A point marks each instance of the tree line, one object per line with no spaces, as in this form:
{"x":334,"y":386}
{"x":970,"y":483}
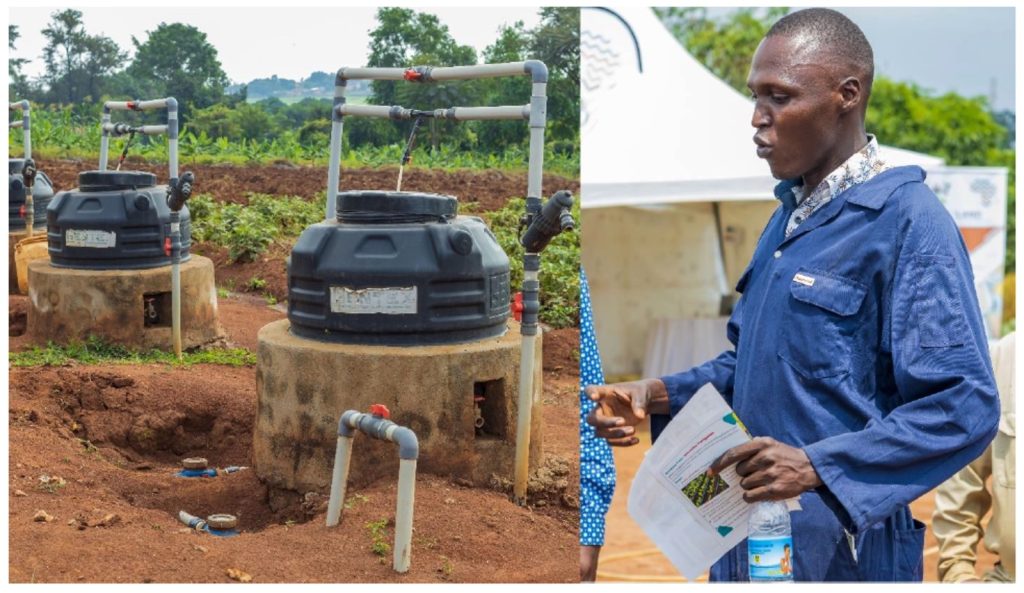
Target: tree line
{"x":175,"y":59}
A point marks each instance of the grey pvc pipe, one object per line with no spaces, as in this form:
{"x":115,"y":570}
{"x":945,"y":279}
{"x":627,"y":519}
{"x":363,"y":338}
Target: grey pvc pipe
{"x":533,"y":68}
{"x":25,"y":124}
{"x":108,"y":128}
{"x":504,"y":112}
{"x":408,"y":452}
{"x":445,"y":73}
{"x":121,"y":129}
{"x":524,"y":418}
{"x":176,"y":282}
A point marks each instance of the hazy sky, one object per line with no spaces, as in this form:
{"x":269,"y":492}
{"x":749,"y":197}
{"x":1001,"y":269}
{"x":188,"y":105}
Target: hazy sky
{"x":258,"y":42}
{"x":965,"y":50}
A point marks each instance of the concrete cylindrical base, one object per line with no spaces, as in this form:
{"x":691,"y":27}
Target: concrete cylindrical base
{"x":67,"y":305}
{"x":303,"y":386}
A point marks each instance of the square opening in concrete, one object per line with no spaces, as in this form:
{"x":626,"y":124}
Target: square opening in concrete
{"x":156,"y":309}
{"x":490,"y":407}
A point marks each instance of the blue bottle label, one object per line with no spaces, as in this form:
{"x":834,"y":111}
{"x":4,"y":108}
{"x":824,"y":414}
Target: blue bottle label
{"x":771,"y":558}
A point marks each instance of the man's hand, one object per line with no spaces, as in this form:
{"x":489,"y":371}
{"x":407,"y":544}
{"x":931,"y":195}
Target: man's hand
{"x":588,"y":563}
{"x":770,"y":470}
{"x":621,"y":406}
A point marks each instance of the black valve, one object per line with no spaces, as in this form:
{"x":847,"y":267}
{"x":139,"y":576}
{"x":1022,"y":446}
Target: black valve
{"x":28,"y":173}
{"x":179,"y":190}
{"x":554,"y":217}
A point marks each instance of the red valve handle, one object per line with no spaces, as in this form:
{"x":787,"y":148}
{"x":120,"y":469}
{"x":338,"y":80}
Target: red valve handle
{"x":412,"y":75}
{"x":517,"y":306}
{"x":380,"y":411}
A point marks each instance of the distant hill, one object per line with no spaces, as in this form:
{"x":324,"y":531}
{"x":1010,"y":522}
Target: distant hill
{"x":318,"y":85}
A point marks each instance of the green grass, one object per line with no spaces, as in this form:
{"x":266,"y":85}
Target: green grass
{"x":96,"y":351}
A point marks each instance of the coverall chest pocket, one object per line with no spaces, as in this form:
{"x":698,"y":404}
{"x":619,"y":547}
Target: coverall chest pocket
{"x":820,"y":323}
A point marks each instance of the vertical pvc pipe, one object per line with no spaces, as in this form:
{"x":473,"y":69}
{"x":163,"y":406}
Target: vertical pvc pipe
{"x":525,"y":415}
{"x":535,"y":175}
{"x":26,"y":123}
{"x":538,"y":119}
{"x":176,"y":281}
{"x":172,"y":137}
{"x":339,"y":479}
{"x":403,"y":514}
{"x":104,"y":138}
{"x":334,"y":169}
{"x":334,"y":166}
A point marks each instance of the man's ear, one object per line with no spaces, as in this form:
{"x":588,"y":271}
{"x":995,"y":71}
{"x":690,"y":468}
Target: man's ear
{"x":852,"y":93}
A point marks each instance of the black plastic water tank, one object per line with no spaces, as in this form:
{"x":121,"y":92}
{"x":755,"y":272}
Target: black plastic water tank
{"x":42,"y":193}
{"x":113,"y":220}
{"x":398,"y":268}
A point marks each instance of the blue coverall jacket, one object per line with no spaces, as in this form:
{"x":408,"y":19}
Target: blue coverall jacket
{"x":859,"y":339}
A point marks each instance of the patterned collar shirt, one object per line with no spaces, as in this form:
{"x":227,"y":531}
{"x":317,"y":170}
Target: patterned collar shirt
{"x":862,"y":166}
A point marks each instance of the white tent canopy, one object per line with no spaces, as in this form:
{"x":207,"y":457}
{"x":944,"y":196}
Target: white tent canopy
{"x":659,"y":128}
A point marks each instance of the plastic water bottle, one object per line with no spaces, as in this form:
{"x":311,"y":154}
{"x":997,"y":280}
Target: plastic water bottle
{"x":770,"y":542}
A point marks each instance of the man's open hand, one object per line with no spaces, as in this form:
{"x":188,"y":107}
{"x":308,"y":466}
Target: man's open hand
{"x":621,"y":406}
{"x":770,"y":470}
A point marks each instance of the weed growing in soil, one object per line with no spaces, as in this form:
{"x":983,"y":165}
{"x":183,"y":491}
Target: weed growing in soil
{"x":356,"y":499}
{"x":446,"y":566}
{"x":378,"y":533}
{"x":96,"y":351}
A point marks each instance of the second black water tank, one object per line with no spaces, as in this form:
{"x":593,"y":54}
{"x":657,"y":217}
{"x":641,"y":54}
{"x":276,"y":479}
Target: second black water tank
{"x":113,"y":220}
{"x":42,"y":193}
{"x":398,"y":268}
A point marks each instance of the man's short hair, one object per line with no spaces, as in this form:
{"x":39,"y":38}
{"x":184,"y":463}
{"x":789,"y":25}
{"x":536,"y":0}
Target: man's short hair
{"x":836,"y":33}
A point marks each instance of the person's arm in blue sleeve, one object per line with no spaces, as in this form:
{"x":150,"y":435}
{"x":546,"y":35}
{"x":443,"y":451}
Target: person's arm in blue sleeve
{"x":947,"y":409}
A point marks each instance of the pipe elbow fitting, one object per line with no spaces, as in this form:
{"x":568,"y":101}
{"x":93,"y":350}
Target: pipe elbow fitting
{"x":346,"y":425}
{"x":172,"y":104}
{"x":537,"y":70}
{"x":408,"y":444}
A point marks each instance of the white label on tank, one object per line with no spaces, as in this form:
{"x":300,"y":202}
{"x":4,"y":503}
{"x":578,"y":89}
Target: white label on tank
{"x":175,"y":227}
{"x":389,"y":301}
{"x":84,"y":238}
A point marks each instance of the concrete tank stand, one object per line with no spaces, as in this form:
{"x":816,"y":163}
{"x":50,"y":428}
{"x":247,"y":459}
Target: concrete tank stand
{"x":67,"y":305}
{"x":304,"y":385}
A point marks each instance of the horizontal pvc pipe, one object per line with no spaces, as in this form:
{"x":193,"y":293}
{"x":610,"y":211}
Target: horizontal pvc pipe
{"x":16,"y":124}
{"x":122,"y":129}
{"x":366,"y":110}
{"x":442,"y":73}
{"x":503,"y":112}
{"x":137,"y":105}
{"x":372,"y":73}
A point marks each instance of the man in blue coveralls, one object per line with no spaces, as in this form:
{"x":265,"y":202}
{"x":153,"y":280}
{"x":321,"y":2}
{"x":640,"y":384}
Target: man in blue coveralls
{"x":860,"y":361}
